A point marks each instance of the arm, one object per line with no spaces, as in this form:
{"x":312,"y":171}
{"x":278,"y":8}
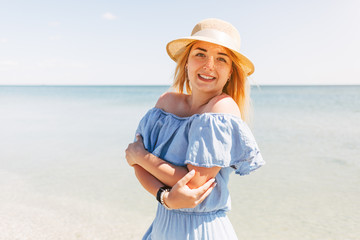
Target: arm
{"x":202,"y":175}
{"x":165,"y":172}
{"x":180,"y":196}
{"x":148,"y":181}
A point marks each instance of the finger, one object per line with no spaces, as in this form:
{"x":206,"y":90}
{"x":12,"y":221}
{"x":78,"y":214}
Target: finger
{"x":207,"y":192}
{"x":205,"y":186}
{"x":184,"y":180}
{"x":139,"y":137}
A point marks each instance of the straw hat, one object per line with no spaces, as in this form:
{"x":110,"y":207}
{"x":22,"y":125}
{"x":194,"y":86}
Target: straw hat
{"x":214,"y":31}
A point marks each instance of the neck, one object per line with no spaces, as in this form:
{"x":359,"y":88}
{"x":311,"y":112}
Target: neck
{"x":198,"y":100}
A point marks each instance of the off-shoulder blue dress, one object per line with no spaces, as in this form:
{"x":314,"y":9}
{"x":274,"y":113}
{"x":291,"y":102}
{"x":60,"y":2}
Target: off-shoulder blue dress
{"x":204,"y":140}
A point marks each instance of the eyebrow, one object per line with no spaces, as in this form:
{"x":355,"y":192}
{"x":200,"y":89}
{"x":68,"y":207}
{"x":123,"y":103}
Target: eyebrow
{"x":220,"y":53}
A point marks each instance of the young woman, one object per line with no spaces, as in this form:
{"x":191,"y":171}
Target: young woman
{"x":200,"y":134}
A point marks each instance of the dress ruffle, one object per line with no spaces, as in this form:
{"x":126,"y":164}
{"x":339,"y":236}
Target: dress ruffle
{"x":211,"y":139}
{"x":222,"y":140}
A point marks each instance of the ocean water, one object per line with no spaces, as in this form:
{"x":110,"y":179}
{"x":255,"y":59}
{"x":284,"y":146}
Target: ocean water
{"x":63,"y":174}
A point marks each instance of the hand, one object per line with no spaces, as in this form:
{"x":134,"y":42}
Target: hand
{"x":135,"y":150}
{"x":181,"y":196}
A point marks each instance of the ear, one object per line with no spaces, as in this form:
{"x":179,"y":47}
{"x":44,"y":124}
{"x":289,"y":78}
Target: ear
{"x":231,"y":71}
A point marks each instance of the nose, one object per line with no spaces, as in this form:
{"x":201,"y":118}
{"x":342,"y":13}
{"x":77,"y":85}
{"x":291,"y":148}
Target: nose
{"x":209,"y":64}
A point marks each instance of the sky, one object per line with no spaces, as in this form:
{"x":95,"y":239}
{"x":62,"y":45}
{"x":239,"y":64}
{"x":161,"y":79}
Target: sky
{"x":94,"y":42}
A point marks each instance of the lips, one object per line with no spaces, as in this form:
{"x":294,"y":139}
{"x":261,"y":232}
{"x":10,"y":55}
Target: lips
{"x":206,"y":77}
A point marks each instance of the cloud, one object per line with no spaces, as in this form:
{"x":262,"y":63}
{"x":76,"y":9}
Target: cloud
{"x":60,"y":63}
{"x":3,"y":40}
{"x":45,"y":64}
{"x":109,"y":16}
{"x":55,"y":37}
{"x":8,"y":63}
{"x":54,"y":23}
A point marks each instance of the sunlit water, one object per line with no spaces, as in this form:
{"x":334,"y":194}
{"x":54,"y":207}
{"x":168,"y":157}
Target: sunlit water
{"x":63,"y":174}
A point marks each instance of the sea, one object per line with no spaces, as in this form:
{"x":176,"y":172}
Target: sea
{"x":63,"y":173}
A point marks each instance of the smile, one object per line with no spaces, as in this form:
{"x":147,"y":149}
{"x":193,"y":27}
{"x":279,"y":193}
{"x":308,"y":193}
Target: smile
{"x":204,"y":77}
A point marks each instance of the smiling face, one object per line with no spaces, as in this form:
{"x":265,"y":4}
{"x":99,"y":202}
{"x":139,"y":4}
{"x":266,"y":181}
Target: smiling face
{"x":208,"y":67}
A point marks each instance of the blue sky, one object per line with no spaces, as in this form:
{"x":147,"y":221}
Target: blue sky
{"x":123,"y":42}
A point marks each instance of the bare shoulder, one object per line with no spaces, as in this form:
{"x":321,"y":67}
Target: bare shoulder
{"x":169,"y":101}
{"x":223,"y":104}
{"x":164,"y":99}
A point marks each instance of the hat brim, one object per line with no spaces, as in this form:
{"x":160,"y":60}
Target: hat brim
{"x":174,"y":47}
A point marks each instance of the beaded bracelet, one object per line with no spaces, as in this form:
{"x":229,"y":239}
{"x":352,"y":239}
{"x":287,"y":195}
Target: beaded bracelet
{"x":160,"y":195}
{"x":162,"y":199}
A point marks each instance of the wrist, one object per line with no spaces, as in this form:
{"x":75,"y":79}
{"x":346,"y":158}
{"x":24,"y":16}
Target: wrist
{"x":162,"y":194}
{"x":162,"y":200}
{"x":141,"y":156}
{"x":166,"y":199}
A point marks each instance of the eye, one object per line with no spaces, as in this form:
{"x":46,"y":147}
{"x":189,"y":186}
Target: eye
{"x":200,"y":54}
{"x":222,"y":59}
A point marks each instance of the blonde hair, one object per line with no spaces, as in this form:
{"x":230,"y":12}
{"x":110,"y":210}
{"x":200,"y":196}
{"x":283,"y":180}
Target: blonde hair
{"x":237,"y":88}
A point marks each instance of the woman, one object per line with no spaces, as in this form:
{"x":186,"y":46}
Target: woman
{"x":199,"y":134}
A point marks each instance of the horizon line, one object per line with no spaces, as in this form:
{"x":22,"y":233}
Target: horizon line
{"x":160,"y":85}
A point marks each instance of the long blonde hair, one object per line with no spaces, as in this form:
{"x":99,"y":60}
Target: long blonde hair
{"x":237,"y":88}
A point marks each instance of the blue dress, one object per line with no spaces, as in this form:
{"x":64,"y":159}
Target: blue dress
{"x":204,"y":140}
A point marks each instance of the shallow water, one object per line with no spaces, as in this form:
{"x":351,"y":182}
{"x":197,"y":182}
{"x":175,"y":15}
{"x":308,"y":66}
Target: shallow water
{"x":63,"y":174}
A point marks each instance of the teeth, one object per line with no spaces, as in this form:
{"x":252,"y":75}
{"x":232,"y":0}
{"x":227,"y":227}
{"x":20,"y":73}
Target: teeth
{"x":206,"y":77}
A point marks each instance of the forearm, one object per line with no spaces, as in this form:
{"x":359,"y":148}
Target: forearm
{"x":148,"y":181}
{"x":166,"y":172}
{"x":153,"y":173}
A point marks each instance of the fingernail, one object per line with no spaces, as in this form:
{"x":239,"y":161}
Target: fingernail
{"x":214,"y":185}
{"x":192,"y":172}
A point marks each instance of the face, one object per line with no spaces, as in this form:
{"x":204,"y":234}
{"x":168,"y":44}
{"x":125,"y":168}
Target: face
{"x":209,"y":67}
